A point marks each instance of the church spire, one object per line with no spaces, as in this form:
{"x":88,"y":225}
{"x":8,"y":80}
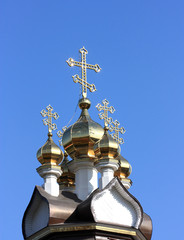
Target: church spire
{"x":78,"y":140}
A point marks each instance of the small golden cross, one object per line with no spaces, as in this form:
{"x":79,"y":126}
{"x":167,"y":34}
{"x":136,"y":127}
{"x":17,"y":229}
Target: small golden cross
{"x":50,"y":115}
{"x":60,"y":134}
{"x":84,"y":66}
{"x":117,"y":130}
{"x":106,"y":109}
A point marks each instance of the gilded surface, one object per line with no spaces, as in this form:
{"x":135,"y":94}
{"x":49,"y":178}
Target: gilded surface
{"x":84,"y":66}
{"x":49,"y":152}
{"x":79,"y":139}
{"x":83,"y":227}
{"x":67,"y":179}
{"x":107,"y":147}
{"x":124,"y":169}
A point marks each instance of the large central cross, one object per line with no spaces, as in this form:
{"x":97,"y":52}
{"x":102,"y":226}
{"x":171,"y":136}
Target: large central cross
{"x":104,"y":114}
{"x":84,"y":66}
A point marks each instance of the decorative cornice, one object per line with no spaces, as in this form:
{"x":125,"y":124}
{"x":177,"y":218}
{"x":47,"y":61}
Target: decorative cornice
{"x":134,"y":233}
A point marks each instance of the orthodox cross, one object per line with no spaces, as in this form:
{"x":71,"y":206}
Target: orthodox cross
{"x":84,"y":66}
{"x":104,"y":114}
{"x":60,"y":134}
{"x":50,"y":115}
{"x":117,"y":130}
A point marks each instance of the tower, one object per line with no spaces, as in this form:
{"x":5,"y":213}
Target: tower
{"x":73,"y":203}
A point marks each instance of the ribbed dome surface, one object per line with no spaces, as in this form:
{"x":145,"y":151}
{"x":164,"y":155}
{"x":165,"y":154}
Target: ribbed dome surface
{"x":79,"y":139}
{"x":124,"y":169}
{"x":50,"y":152}
{"x":107,"y":147}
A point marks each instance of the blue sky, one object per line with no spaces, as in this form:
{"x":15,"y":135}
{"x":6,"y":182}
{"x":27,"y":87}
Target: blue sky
{"x":139,"y":46}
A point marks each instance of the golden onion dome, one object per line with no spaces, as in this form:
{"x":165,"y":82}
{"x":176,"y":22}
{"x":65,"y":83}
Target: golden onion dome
{"x":78,"y":140}
{"x":67,"y":178}
{"x":50,"y":152}
{"x":124,"y":169}
{"x":107,"y":147}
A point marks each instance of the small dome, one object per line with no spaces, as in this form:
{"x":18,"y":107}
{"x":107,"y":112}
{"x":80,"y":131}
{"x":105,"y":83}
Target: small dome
{"x":50,"y":152}
{"x":107,"y":147}
{"x":67,"y":178}
{"x":124,"y":169}
{"x":78,"y":140}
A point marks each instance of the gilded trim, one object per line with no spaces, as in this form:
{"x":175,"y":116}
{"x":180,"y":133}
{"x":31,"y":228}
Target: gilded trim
{"x":83,"y":227}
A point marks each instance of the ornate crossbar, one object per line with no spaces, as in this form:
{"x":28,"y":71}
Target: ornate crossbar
{"x":50,"y":115}
{"x":84,"y":66}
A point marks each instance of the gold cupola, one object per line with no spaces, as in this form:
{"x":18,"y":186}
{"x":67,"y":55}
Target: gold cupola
{"x":106,"y":150}
{"x":67,"y":179}
{"x":124,"y":169}
{"x":50,"y":153}
{"x":107,"y":147}
{"x":79,"y":139}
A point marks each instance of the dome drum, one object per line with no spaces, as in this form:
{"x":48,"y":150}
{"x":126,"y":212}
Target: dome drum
{"x":107,"y":163}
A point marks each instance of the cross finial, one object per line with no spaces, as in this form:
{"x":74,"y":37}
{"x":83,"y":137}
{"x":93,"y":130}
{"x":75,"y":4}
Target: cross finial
{"x":104,"y":114}
{"x":60,"y":134}
{"x":84,"y":66}
{"x":50,"y":115}
{"x":117,"y":130}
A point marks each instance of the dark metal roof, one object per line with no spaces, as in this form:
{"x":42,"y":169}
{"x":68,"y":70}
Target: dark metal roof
{"x":146,"y":226}
{"x":59,"y":208}
{"x":68,"y":209}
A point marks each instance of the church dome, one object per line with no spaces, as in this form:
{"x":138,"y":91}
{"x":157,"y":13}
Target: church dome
{"x":78,"y":140}
{"x":67,"y":178}
{"x":107,"y":147}
{"x":50,"y":152}
{"x":124,"y":169}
